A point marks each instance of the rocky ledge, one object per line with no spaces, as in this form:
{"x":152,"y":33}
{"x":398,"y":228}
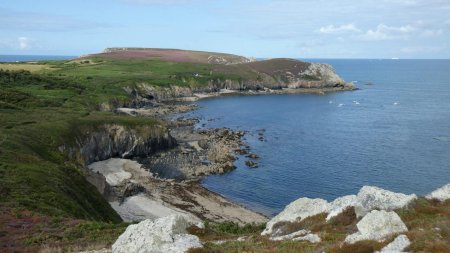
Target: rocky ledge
{"x":380,"y":222}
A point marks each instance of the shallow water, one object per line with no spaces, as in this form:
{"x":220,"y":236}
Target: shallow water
{"x":394,"y":134}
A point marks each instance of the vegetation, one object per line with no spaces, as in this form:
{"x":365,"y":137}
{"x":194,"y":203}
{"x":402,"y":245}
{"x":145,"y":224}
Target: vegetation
{"x":428,"y":223}
{"x":45,"y":200}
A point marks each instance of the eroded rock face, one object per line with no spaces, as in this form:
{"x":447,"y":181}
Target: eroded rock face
{"x":164,"y":235}
{"x":340,"y":204}
{"x":296,"y":211}
{"x":371,"y":197}
{"x":397,"y":246}
{"x":377,"y":225}
{"x":118,"y":141}
{"x":441,"y":194}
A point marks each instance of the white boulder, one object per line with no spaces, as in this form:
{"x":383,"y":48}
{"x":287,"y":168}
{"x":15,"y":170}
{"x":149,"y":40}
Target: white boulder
{"x":340,"y":204}
{"x":441,"y":194}
{"x":291,"y":236}
{"x":312,"y":238}
{"x":297,"y":211}
{"x":164,"y":235}
{"x":397,"y":246}
{"x":377,"y":225}
{"x":371,"y":197}
{"x":301,"y":235}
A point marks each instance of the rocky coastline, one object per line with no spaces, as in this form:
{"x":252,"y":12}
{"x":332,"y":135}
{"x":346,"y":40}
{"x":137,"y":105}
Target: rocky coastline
{"x":165,"y":167}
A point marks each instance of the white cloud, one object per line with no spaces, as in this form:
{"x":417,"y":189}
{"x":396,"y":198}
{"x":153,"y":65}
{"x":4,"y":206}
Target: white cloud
{"x":24,"y":43}
{"x":332,"y":29}
{"x":29,"y":21}
{"x":384,"y":32}
{"x":431,"y":33}
{"x":423,"y":49}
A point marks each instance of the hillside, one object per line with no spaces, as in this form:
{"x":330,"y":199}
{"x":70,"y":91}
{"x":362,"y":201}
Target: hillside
{"x":59,"y":116}
{"x":173,"y":55}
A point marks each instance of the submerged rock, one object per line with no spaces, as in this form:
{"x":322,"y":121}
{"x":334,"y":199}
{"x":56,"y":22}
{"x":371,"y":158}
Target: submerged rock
{"x":164,"y":235}
{"x":441,"y":194}
{"x":297,"y":211}
{"x":397,"y":246}
{"x":371,"y":197}
{"x":377,"y":225}
{"x":251,"y":164}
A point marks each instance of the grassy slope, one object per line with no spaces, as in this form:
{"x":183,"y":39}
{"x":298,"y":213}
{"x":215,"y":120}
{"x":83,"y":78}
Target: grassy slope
{"x":38,"y":114}
{"x":44,"y":109}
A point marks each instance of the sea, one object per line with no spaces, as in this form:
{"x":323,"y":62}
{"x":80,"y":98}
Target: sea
{"x":393,"y":132}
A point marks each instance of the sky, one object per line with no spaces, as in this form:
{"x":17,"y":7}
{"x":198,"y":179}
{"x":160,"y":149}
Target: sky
{"x":253,"y":28}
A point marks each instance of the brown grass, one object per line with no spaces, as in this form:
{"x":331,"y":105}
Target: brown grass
{"x":358,"y":247}
{"x":428,"y":222}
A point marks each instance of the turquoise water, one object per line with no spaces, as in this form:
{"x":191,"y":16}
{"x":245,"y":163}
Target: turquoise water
{"x":394,"y":134}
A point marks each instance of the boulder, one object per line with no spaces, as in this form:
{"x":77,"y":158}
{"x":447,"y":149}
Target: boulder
{"x":377,"y":225}
{"x":297,"y":211}
{"x":397,"y":246}
{"x":371,"y":197}
{"x":290,"y":236}
{"x":164,"y":235}
{"x":441,"y":194}
{"x":312,"y":238}
{"x":340,"y":204}
{"x":301,"y":235}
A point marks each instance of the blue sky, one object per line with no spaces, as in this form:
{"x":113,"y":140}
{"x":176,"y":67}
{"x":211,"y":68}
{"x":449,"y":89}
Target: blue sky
{"x":259,"y":28}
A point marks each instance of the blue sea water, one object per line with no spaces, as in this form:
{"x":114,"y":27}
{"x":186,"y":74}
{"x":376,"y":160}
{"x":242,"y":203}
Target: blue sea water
{"x":20,"y":58}
{"x":394,"y":134}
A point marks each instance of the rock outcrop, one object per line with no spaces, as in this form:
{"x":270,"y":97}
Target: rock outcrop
{"x":368,"y":199}
{"x":371,"y":197}
{"x":377,"y":225}
{"x":340,"y":204}
{"x":441,"y":194}
{"x":397,"y":246}
{"x":112,"y":140}
{"x":164,"y":235}
{"x":297,"y":211}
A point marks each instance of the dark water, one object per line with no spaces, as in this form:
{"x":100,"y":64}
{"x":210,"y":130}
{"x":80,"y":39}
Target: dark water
{"x":19,"y":58}
{"x":394,"y":134}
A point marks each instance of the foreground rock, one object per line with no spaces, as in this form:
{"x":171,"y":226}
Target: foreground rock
{"x":377,"y":225}
{"x":164,"y":235}
{"x":371,"y":197}
{"x":340,"y":204}
{"x":397,"y":246}
{"x":441,"y":194}
{"x":296,"y":211}
{"x":301,"y":235}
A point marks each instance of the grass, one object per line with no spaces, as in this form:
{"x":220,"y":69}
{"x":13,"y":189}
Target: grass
{"x":428,"y":223}
{"x":32,"y":67}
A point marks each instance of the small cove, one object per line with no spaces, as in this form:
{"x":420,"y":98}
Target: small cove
{"x":392,"y":133}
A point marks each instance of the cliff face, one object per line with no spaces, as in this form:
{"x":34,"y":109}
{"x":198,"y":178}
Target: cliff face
{"x":113,"y":140}
{"x":272,"y":74}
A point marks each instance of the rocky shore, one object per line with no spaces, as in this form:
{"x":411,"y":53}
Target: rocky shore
{"x":162,"y":181}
